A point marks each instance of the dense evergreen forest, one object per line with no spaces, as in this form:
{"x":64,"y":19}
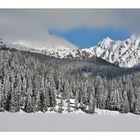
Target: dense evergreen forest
{"x":34,"y":82}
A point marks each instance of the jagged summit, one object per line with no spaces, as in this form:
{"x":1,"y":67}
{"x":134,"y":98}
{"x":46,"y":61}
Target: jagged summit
{"x":125,"y":53}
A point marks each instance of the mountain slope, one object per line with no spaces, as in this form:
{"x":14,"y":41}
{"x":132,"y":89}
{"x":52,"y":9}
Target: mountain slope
{"x":53,"y":46}
{"x":123,"y":53}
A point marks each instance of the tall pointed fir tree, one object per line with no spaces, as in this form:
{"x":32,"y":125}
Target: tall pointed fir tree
{"x":2,"y":98}
{"x":91,"y":106}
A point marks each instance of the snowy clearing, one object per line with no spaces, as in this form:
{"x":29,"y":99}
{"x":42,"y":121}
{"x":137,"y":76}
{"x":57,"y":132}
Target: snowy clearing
{"x":102,"y":120}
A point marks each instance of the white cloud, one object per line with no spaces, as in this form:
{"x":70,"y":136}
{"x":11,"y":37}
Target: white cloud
{"x":34,"y":24}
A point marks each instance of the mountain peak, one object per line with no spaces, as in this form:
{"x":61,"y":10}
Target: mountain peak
{"x":125,"y":53}
{"x":106,"y":41}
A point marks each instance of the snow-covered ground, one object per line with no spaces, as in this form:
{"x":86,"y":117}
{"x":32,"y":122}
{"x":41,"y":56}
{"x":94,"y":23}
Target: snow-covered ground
{"x":102,"y":120}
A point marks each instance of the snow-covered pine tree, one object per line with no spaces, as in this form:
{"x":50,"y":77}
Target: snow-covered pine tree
{"x":91,"y":106}
{"x":125,"y":103}
{"x":2,"y":98}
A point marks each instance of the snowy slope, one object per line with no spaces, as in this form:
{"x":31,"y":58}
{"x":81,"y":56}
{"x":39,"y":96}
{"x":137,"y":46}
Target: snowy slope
{"x":54,"y":46}
{"x":124,"y":53}
{"x":69,"y":122}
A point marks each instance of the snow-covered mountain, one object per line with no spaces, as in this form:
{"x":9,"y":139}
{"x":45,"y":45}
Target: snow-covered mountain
{"x":59,"y":51}
{"x":54,"y":46}
{"x":124,"y":53}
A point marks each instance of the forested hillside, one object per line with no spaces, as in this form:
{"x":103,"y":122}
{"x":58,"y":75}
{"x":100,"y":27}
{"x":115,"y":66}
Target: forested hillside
{"x":34,"y":82}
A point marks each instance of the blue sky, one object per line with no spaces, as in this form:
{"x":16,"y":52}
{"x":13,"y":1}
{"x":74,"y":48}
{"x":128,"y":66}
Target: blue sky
{"x":87,"y":37}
